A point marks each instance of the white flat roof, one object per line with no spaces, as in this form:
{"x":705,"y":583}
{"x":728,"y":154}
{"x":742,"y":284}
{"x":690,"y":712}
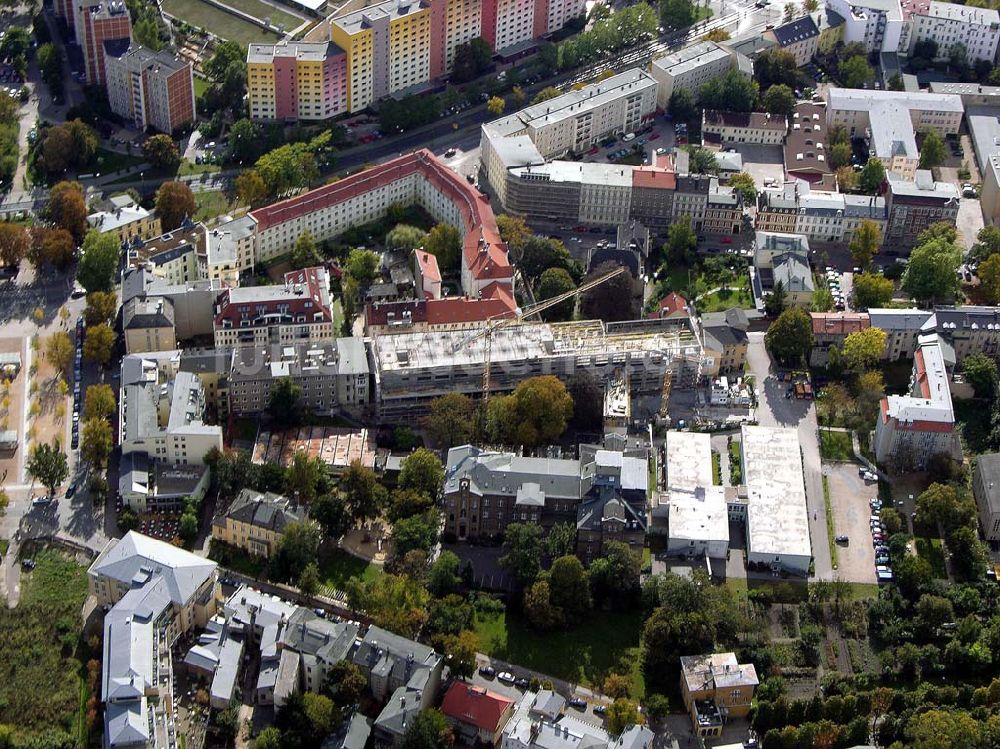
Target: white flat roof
{"x":690,"y":58}
{"x":689,"y":460}
{"x":963,"y":13}
{"x":587,"y":173}
{"x":864,"y":99}
{"x":777,"y":516}
{"x":699,"y":515}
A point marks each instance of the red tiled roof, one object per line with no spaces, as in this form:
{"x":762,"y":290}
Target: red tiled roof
{"x":659,"y":176}
{"x":673,"y":302}
{"x":839,"y":323}
{"x":428,"y":265}
{"x":255,"y":302}
{"x":484,"y":252}
{"x":497,"y":302}
{"x":475,"y":706}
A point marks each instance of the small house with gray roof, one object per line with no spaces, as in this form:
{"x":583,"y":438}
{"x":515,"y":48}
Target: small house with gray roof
{"x":391,"y":662}
{"x":256,"y":521}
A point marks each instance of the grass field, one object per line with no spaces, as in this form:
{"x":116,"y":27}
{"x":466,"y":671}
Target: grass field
{"x":930,"y":549}
{"x":260,"y":10}
{"x":225,"y":25}
{"x":107,"y":162}
{"x":835,"y":445}
{"x":583,"y":654}
{"x":831,"y":530}
{"x":723,"y":299}
{"x":336,"y":567}
{"x":211,"y":204}
{"x":42,"y":694}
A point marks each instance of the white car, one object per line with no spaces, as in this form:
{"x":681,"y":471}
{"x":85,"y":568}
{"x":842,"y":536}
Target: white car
{"x":506,"y":677}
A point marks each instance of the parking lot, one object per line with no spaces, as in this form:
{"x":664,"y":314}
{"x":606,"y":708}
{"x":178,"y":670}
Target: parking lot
{"x":849,"y":495}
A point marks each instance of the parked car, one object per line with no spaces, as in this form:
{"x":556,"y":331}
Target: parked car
{"x":578,"y":703}
{"x":487,"y":671}
{"x":28,"y":564}
{"x":843,"y":540}
{"x":522,"y":683}
{"x":600,"y":709}
{"x":506,"y":677}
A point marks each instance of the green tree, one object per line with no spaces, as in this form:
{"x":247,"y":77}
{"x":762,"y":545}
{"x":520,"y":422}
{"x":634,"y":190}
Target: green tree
{"x":449,"y":420}
{"x":364,"y":494}
{"x":943,"y":729}
{"x":932,"y":151}
{"x":989,"y":278}
{"x":59,"y":350}
{"x":496,"y":105}
{"x":561,"y":540}
{"x":287,"y":167}
{"x":789,"y":13}
{"x":622,"y":713}
{"x":872,"y":290}
{"x":980,"y":371}
{"x":987,"y":243}
{"x":872,"y":176}
{"x":539,"y":609}
{"x":865,"y":243}
{"x":346,"y":684}
{"x":968,"y":555}
{"x":702,"y":161}
{"x":99,"y":402}
{"x":549,"y":92}
{"x":305,"y":253}
{"x":422,"y":472}
{"x":541,"y":253}
{"x":743,"y":184}
{"x":522,"y":547}
{"x":838,"y":155}
{"x":471,"y":59}
{"x":405,"y":237}
{"x":362,"y":265}
{"x":99,"y":261}
{"x":174,"y":203}
{"x":227,"y":71}
{"x":775,"y":300}
{"x":864,"y":348}
{"x":394,"y":602}
{"x":514,"y":232}
{"x":535,"y":414}
{"x":731,"y":92}
{"x":284,"y":403}
{"x":682,"y":105}
{"x":779,"y":99}
{"x":556,"y":281}
{"x":855,"y":71}
{"x":98,"y":344}
{"x":47,"y":464}
{"x":932,"y":274}
{"x":429,"y":730}
{"x":682,"y":242}
{"x":676,"y":14}
{"x":776,"y":67}
{"x":161,"y":151}
{"x":614,"y":576}
{"x":789,"y":338}
{"x":245,"y":141}
{"x":298,"y":547}
{"x":613,"y":300}
{"x":332,"y":514}
{"x":569,"y":587}
{"x":461,"y":652}
{"x":308,"y":581}
{"x":445,"y":243}
{"x":941,"y":504}
{"x":102,"y":306}
{"x":304,"y":475}
{"x":443,"y":578}
{"x":187,"y":528}
{"x":250,"y":187}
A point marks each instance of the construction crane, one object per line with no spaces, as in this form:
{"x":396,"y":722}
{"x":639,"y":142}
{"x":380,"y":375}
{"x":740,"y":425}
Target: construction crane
{"x":498,"y":322}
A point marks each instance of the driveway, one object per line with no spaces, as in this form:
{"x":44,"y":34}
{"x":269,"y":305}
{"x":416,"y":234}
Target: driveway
{"x":849,"y":496}
{"x":775,"y":409}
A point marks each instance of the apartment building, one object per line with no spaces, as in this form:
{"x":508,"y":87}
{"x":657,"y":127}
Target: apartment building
{"x":914,"y":206}
{"x":334,"y":376}
{"x":984,"y":127}
{"x":147,"y":486}
{"x":161,"y":411}
{"x":417,"y":177}
{"x":830,"y":329}
{"x":694,"y":510}
{"x":150,"y":89}
{"x":976,"y":29}
{"x":782,"y":258}
{"x":902,"y":327}
{"x":878,"y":24}
{"x":477,"y":714}
{"x":858,"y":109}
{"x":725,"y":336}
{"x":986,"y":488}
{"x":453,"y":22}
{"x":723,"y":211}
{"x":805,"y":146}
{"x":192,"y":303}
{"x":800,"y":37}
{"x":297,"y":311}
{"x":577,"y":119}
{"x":125,"y":220}
{"x":296,"y":81}
{"x":156,"y":592}
{"x":909,"y":429}
{"x":256,"y":521}
{"x":103,"y":29}
{"x":174,"y":257}
{"x":818,"y":215}
{"x":411,"y":369}
{"x":755,"y":128}
{"x":716,"y":688}
{"x":538,"y":723}
{"x":447,"y":313}
{"x":691,"y":196}
{"x":387,"y":49}
{"x":148,"y":324}
{"x":693,"y":66}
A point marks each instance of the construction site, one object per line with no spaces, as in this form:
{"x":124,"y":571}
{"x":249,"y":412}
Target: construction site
{"x":411,"y":369}
{"x":337,"y":447}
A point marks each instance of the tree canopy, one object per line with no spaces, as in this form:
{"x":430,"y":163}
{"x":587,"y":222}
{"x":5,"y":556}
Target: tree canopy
{"x":613,"y":300}
{"x":536,"y":413}
{"x":98,"y":262}
{"x":865,"y":243}
{"x":864,"y":348}
{"x":789,"y":338}
{"x":932,"y":274}
{"x":47,"y":464}
{"x":871,"y":290}
{"x":174,"y":203}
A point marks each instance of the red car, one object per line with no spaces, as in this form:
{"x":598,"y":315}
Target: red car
{"x":727,"y":240}
{"x":654,"y":136}
{"x":593,"y":150}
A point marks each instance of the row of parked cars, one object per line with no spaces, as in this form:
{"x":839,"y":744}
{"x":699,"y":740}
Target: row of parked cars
{"x":77,"y":391}
{"x":521,"y":682}
{"x":833,"y":279}
{"x":883,"y":570}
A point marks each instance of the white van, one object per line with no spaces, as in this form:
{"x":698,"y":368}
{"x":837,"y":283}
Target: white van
{"x":627,"y":137}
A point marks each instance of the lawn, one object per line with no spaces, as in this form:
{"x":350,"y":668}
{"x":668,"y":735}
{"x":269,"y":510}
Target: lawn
{"x":212,"y":204}
{"x":200,"y":87}
{"x":930,"y":549}
{"x":189,"y":167}
{"x":42,"y":692}
{"x":735,"y":463}
{"x":236,"y":560}
{"x":584,"y":654}
{"x":973,"y":422}
{"x":111,"y":161}
{"x":831,"y":531}
{"x":223,"y":24}
{"x":835,"y":445}
{"x":737,"y":295}
{"x":716,"y":468}
{"x":336,"y":567}
{"x":260,"y":10}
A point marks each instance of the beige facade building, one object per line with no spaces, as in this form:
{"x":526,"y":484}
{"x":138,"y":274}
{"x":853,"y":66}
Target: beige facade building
{"x":715,"y":689}
{"x":148,"y":323}
{"x":256,"y":522}
{"x":757,"y":128}
{"x":693,"y":66}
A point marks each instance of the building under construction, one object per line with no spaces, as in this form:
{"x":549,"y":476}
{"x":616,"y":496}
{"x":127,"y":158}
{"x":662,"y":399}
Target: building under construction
{"x":412,"y":369}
